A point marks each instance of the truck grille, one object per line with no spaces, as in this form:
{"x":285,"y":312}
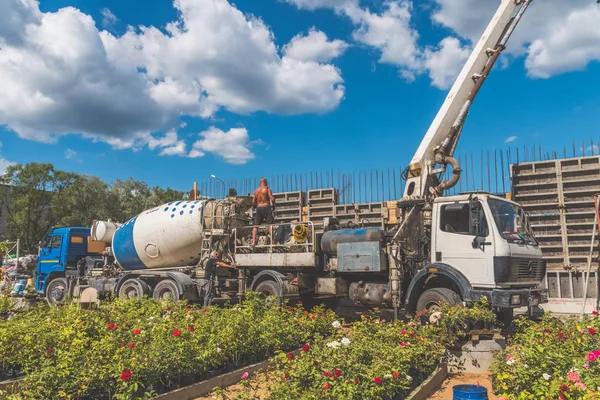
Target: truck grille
{"x":524,"y":270}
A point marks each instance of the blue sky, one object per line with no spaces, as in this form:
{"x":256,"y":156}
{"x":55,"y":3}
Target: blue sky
{"x":354,"y":99}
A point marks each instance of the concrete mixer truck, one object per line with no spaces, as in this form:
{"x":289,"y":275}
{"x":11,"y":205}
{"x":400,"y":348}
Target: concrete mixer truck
{"x":456,"y":249}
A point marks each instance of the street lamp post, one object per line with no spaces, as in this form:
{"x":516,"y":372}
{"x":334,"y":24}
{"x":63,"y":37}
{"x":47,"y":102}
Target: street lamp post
{"x":220,"y":180}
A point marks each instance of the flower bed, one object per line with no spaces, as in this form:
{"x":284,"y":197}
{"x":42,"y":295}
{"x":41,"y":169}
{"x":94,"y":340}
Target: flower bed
{"x":553,"y":359}
{"x":370,"y":359}
{"x":135,"y":349}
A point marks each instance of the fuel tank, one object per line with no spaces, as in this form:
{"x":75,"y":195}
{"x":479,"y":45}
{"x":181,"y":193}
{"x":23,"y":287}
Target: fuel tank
{"x":167,"y":236}
{"x":331,"y":239}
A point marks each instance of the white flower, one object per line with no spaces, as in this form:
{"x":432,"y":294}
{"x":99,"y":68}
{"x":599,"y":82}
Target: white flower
{"x":336,"y":324}
{"x":388,"y":376}
{"x":151,"y":318}
{"x":546,"y":376}
{"x":510,"y":362}
{"x":335,"y":344}
{"x":218,"y":349}
{"x":346,"y":341}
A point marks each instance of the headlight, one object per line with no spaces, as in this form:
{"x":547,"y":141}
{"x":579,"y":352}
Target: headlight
{"x":515,"y":299}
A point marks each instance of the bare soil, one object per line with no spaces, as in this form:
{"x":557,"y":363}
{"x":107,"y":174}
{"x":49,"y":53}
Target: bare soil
{"x":445,"y":392}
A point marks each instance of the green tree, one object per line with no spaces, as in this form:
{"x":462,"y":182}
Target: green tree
{"x":160,"y":196}
{"x":33,"y":197}
{"x":127,"y":199}
{"x":87,"y":200}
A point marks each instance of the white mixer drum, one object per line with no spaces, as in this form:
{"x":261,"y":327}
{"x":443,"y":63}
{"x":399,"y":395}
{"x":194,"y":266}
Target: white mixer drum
{"x":166,"y":236}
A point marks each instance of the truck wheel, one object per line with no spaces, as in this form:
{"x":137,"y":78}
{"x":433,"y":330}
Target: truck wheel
{"x":165,"y":290}
{"x":57,"y":291}
{"x":134,"y":288}
{"x":433,"y":299}
{"x":268,"y":289}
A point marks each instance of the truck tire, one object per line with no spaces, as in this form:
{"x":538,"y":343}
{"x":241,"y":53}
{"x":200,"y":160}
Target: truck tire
{"x":166,"y":289}
{"x":268,"y":289}
{"x":134,"y":288}
{"x":433,"y":298}
{"x":57,"y":291}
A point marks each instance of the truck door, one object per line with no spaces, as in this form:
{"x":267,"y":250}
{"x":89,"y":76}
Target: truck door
{"x":50,"y":255}
{"x":463,"y":241}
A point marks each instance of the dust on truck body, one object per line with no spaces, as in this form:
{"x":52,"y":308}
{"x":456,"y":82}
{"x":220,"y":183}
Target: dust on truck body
{"x":453,"y":249}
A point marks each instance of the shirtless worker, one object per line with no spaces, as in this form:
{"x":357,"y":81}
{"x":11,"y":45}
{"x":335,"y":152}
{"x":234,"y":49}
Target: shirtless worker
{"x":263,"y":204}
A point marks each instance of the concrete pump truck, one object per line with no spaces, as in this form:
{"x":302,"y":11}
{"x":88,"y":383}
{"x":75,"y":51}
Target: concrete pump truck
{"x":456,"y":249}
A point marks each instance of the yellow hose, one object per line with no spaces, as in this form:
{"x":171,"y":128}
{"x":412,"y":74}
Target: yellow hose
{"x":300,"y":233}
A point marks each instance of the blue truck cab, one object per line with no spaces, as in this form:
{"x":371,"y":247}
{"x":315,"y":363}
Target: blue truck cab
{"x":58,"y":257}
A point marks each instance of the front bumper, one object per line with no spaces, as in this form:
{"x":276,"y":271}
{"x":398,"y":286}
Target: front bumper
{"x":507,"y":298}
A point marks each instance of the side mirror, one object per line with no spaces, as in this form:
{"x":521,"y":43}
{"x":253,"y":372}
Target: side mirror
{"x":480,"y":243}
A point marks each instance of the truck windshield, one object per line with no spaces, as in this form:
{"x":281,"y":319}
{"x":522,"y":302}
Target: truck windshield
{"x":511,"y":221}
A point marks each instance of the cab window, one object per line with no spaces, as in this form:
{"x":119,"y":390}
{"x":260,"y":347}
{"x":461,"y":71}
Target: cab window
{"x":54,"y":242}
{"x":456,"y":218}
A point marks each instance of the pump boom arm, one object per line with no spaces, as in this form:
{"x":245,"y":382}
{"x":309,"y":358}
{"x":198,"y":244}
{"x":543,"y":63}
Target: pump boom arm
{"x":439,"y":143}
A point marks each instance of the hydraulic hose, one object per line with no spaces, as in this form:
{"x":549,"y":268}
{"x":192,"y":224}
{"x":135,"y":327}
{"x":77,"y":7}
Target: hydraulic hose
{"x":456,"y":171}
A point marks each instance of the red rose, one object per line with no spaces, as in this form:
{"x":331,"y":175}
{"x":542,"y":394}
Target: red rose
{"x":312,"y":317}
{"x":383,"y":320}
{"x":326,"y":374}
{"x":326,"y":386}
{"x":564,"y":387}
{"x":126,"y":375}
{"x":49,"y":353}
{"x":290,"y":356}
{"x":595,"y":313}
{"x":377,"y":381}
{"x":306,"y":347}
{"x":324,"y":315}
{"x":176,"y":333}
{"x":592,"y":331}
{"x":131,"y":345}
{"x":396,"y":374}
{"x":561,"y":336}
{"x":357,"y":381}
{"x":403,"y":332}
{"x":191,"y":328}
{"x":137,"y":332}
{"x":315,"y":363}
{"x":122,"y":344}
{"x":287,"y":376}
{"x":111,"y":325}
{"x":299,"y":302}
{"x":337,"y":372}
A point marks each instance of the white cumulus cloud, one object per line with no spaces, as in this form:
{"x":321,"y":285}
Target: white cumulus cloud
{"x":445,"y":62}
{"x":510,"y":139}
{"x":555,"y":36}
{"x":314,"y":47}
{"x":59,"y":74}
{"x":70,"y":154}
{"x":108,"y":18}
{"x":315,"y":4}
{"x":4,"y":163}
{"x":232,"y":146}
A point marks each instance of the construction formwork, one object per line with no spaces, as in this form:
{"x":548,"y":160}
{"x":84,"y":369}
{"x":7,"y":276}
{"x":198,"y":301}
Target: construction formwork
{"x":318,"y":204}
{"x":558,"y":196}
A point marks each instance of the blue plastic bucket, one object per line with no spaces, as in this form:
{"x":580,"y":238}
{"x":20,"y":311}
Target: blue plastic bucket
{"x":471,"y":392}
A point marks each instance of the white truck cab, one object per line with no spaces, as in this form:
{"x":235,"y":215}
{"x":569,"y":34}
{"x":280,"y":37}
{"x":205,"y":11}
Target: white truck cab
{"x":489,"y":241}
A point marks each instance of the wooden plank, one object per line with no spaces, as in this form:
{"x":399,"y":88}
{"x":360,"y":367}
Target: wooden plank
{"x":426,"y":389}
{"x":203,"y":388}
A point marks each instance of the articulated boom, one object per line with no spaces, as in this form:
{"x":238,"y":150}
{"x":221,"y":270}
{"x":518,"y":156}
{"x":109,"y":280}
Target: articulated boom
{"x":439,"y":143}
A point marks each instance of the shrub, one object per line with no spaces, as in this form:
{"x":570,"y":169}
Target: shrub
{"x":553,"y":359}
{"x":135,"y":348}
